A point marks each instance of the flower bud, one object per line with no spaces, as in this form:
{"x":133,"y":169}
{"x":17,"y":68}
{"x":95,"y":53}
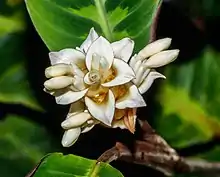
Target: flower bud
{"x":162,"y":58}
{"x":58,"y":82}
{"x":154,"y":47}
{"x":76,"y":120}
{"x":148,"y":81}
{"x":57,"y":70}
{"x":70,"y":137}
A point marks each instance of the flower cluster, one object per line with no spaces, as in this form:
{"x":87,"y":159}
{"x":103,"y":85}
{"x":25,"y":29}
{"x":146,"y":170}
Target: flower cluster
{"x":101,"y":85}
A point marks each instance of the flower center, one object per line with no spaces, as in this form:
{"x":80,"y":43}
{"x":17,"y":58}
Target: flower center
{"x":119,"y":91}
{"x":94,"y":76}
{"x":97,"y":94}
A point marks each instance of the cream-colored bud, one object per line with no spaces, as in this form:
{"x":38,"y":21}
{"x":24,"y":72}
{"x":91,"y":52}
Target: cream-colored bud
{"x":58,"y":82}
{"x":58,"y":70}
{"x":70,"y":137}
{"x":76,"y":120}
{"x":148,"y":81}
{"x":154,"y":47}
{"x":162,"y":58}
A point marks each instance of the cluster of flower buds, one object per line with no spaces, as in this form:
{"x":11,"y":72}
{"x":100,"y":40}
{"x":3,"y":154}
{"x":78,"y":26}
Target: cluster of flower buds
{"x":102,"y":83}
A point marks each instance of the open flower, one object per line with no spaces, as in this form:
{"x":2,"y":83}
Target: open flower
{"x":91,"y":72}
{"x":99,"y":83}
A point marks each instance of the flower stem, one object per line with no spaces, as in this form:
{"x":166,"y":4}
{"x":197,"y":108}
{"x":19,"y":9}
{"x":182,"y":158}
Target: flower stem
{"x":100,"y":5}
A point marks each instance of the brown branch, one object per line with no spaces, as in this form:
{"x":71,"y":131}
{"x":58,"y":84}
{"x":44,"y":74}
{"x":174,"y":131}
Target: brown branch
{"x":154,"y":24}
{"x":153,"y":151}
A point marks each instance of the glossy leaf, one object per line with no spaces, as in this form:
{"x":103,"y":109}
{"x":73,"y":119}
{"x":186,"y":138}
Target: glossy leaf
{"x":57,"y":165}
{"x":22,"y":145}
{"x":190,"y":100}
{"x":66,"y":23}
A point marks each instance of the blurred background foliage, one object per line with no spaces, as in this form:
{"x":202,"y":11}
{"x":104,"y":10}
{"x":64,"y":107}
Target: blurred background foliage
{"x":184,"y":109}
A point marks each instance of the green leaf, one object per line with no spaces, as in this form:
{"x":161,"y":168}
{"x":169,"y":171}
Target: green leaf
{"x":13,"y":23}
{"x":15,"y":88}
{"x":190,"y":100}
{"x":57,"y":165}
{"x":22,"y":145}
{"x":66,"y":23}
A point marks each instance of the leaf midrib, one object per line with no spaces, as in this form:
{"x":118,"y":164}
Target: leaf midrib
{"x":104,"y":24}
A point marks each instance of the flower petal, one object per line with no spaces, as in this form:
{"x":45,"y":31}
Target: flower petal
{"x":58,"y":82}
{"x":141,"y":75}
{"x":65,"y":97}
{"x":87,"y":128}
{"x":119,"y":124}
{"x":77,"y":71}
{"x":162,"y":58}
{"x":124,"y":73}
{"x":76,"y":108}
{"x":137,"y":66}
{"x":76,"y":120}
{"x":147,"y":71}
{"x":138,"y":76}
{"x":132,"y":99}
{"x":133,"y":60}
{"x":67,"y":56}
{"x":102,"y":48}
{"x":148,"y":81}
{"x":89,"y":40}
{"x":130,"y":120}
{"x":104,"y":111}
{"x":70,"y":137}
{"x":123,"y":49}
{"x":58,"y":70}
{"x":154,"y":48}
{"x":95,"y":65}
{"x":79,"y":83}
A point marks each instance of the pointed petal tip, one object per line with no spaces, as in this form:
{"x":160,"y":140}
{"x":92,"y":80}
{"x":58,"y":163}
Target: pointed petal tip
{"x":123,"y":48}
{"x":103,"y":112}
{"x":66,"y":56}
{"x":131,"y":100}
{"x":149,"y":80}
{"x":101,"y":47}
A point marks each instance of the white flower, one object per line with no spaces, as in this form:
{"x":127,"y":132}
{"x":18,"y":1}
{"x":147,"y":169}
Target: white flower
{"x":90,"y":73}
{"x":99,"y":84}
